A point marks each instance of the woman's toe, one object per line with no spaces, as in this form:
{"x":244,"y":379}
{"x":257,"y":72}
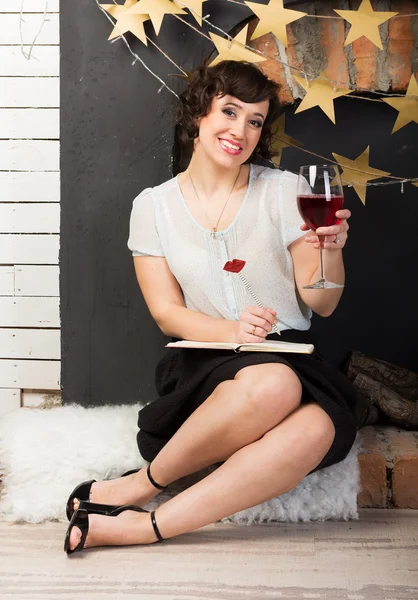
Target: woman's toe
{"x":76,"y":503}
{"x":75,"y":537}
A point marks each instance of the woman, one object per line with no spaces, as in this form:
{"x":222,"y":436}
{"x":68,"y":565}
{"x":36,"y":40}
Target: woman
{"x":268,"y":418}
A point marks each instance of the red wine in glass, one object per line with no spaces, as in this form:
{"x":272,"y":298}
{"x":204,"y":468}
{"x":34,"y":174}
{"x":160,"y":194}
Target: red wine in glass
{"x":318,"y":210}
{"x":319,"y":197}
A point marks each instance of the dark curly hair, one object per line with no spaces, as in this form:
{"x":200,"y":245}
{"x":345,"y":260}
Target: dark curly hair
{"x":229,"y":77}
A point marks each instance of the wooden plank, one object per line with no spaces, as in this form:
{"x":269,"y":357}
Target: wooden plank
{"x":29,"y":123}
{"x":29,"y":249}
{"x":29,"y":155}
{"x":30,"y":92}
{"x":29,"y":6}
{"x":30,"y":218}
{"x":13,"y":30}
{"x":36,"y":281}
{"x":29,"y":187}
{"x":44,"y":62}
{"x":29,"y":312}
{"x":33,"y":374}
{"x":9,"y":400}
{"x":42,"y":399}
{"x":30,"y":343}
{"x":7,"y":281}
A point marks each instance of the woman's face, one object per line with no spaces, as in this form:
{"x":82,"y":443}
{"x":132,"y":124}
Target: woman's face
{"x":231,"y":130}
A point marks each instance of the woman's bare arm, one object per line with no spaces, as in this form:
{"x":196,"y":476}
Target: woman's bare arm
{"x":165,"y":302}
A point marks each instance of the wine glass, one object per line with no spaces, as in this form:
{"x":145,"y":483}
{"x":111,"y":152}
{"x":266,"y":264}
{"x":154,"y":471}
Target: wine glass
{"x":319,"y":197}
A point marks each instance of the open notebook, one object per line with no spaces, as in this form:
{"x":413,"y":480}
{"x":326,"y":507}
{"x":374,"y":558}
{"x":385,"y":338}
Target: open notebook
{"x":267,"y":346}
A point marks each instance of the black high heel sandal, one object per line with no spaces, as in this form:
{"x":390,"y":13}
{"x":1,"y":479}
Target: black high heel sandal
{"x":82,"y":492}
{"x":80,"y":519}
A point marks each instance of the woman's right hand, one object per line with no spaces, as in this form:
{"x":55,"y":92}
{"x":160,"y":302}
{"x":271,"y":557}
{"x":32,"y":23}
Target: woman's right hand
{"x":255,"y":324}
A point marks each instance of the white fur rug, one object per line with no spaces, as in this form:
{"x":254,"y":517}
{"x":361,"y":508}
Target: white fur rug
{"x":44,"y":454}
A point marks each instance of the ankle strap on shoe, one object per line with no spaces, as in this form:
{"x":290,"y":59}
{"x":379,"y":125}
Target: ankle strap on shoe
{"x":156,"y":530}
{"x":152,"y":480}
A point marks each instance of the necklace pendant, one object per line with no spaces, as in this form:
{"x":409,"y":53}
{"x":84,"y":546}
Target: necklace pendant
{"x":214,"y":232}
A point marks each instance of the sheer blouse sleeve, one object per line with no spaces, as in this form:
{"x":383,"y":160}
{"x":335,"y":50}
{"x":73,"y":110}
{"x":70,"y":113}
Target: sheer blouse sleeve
{"x":291,"y":219}
{"x":144,"y":239}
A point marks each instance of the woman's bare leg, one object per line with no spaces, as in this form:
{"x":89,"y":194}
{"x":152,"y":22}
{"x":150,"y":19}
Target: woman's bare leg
{"x":238,"y":412}
{"x":254,"y":474}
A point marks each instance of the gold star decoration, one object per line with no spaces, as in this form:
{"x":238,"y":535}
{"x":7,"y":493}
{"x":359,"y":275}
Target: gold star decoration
{"x":234,"y":50}
{"x":407,"y":106}
{"x":320,"y":93}
{"x":125,"y":22}
{"x":281,"y":140}
{"x":273,"y":19}
{"x":156,"y":9}
{"x":195,"y":6}
{"x":357,"y":178}
{"x":365,"y":21}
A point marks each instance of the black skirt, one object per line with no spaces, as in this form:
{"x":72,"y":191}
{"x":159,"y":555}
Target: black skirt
{"x":186,"y":377}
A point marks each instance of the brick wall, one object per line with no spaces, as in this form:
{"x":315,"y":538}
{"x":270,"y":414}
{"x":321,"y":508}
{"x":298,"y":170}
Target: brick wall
{"x":318,"y":44}
{"x":389,"y":468}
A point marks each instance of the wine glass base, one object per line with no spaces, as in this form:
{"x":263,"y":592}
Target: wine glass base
{"x":323,"y":284}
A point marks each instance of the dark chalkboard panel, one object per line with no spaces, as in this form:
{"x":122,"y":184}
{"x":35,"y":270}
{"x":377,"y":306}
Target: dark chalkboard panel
{"x":117,"y":137}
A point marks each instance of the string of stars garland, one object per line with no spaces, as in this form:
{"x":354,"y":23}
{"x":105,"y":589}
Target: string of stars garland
{"x":135,"y":55}
{"x":375,"y":173}
{"x":306,"y":74}
{"x":199,"y":17}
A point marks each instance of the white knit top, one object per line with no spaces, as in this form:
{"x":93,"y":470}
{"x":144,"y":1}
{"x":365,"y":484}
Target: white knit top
{"x":267,"y":222}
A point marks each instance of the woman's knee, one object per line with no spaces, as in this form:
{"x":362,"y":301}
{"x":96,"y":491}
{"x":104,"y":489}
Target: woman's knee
{"x":305,"y":438}
{"x":312,"y":428}
{"x":271,"y":388}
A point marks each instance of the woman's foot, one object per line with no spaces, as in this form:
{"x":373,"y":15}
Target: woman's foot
{"x":131,"y":489}
{"x":126,"y":529}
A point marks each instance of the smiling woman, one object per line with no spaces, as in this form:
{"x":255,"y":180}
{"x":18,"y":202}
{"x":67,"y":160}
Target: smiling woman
{"x":232,"y":85}
{"x":270,"y":418}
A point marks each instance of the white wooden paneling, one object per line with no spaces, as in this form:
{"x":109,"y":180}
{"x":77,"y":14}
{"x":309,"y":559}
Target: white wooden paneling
{"x":30,"y":398}
{"x":34,"y":374}
{"x":29,"y":155}
{"x":44,"y":61}
{"x":29,"y":187}
{"x":7,"y":281}
{"x":29,"y":218}
{"x":29,"y":249}
{"x":36,"y":281}
{"x":29,"y":92}
{"x":30,"y":343}
{"x":29,"y":123}
{"x":29,"y":202}
{"x":9,"y":400}
{"x":29,"y":312}
{"x":29,"y":6}
{"x":12,"y":28}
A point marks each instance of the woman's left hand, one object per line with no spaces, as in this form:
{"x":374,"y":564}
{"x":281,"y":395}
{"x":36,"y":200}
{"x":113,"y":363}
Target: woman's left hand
{"x":333,"y":237}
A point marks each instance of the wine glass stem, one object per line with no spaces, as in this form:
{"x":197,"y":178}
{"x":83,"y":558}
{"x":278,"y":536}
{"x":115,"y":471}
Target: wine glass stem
{"x":321,"y":258}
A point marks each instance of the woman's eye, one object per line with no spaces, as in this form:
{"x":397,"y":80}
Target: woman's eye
{"x":228,"y":112}
{"x":256,"y":123}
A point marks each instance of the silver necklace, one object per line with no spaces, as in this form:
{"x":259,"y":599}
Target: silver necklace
{"x":214,"y":228}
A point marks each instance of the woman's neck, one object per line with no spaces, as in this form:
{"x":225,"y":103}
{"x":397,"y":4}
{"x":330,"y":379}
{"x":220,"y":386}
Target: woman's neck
{"x":212,"y":179}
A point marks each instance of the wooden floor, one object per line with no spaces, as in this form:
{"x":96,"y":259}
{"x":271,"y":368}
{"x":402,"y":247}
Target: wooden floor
{"x":375,"y":558}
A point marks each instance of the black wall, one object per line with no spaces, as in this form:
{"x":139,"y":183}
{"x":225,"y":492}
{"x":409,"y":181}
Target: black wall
{"x":117,"y":138}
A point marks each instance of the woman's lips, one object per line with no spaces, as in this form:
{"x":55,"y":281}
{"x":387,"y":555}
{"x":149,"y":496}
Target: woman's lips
{"x":227,"y":149}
